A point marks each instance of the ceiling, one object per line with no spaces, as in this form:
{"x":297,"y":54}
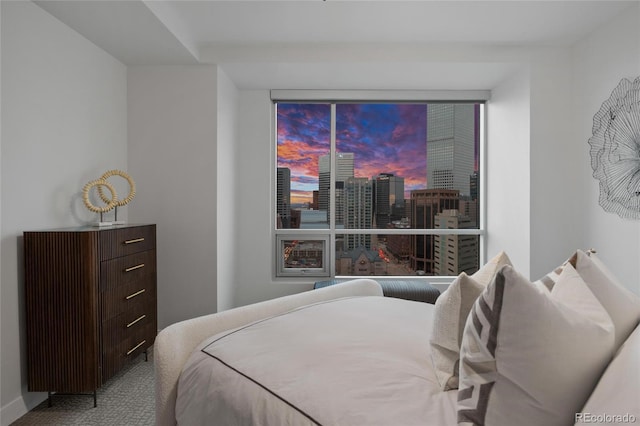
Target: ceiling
{"x":259,"y":41}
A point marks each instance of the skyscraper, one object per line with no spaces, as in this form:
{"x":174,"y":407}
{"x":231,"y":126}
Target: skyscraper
{"x":388,"y":194}
{"x":454,"y":254}
{"x":344,"y":171}
{"x":324,"y":179}
{"x":450,"y":146}
{"x":473,"y":185}
{"x":425,"y":205}
{"x":358,"y":212}
{"x":473,"y":206}
{"x":344,"y":166}
{"x":283,"y":197}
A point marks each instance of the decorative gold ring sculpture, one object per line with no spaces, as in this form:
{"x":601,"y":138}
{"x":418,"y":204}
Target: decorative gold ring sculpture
{"x":111,"y":203}
{"x":132,"y":187}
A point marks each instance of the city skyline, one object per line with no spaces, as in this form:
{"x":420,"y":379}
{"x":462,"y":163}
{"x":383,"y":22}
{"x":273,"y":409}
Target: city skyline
{"x":411,"y":162}
{"x":386,"y":138}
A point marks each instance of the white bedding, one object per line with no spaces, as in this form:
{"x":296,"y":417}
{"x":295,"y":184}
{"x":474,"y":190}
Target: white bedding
{"x":353,"y":361}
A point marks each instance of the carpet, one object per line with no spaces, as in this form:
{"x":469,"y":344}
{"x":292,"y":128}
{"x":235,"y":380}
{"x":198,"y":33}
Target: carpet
{"x":128,"y":398}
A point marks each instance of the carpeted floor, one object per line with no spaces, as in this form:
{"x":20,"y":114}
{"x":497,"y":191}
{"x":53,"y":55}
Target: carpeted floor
{"x":126,"y":399}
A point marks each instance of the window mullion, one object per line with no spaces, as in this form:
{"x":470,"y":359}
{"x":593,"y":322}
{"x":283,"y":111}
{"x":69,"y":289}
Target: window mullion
{"x":332,"y":190}
{"x":332,"y":169}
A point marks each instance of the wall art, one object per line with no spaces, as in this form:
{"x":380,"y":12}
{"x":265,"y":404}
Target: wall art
{"x":615,"y":150}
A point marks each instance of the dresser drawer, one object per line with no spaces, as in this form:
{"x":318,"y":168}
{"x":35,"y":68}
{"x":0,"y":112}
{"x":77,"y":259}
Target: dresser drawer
{"x":123,"y":271}
{"x":128,"y":297}
{"x":125,"y":325}
{"x":121,"y":344}
{"x":123,"y":241}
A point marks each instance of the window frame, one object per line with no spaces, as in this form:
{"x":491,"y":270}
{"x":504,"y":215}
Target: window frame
{"x":283,"y":271}
{"x":334,"y":97}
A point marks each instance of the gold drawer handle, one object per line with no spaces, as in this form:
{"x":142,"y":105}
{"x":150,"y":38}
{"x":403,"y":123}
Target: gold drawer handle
{"x":136,"y":240}
{"x":137,"y":293}
{"x":133,"y":268}
{"x":136,"y":320}
{"x":136,"y":347}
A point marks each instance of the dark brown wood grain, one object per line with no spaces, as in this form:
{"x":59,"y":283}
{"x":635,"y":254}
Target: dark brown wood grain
{"x":78,"y":295}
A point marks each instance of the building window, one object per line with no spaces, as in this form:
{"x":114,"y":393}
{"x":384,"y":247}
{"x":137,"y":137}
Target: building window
{"x":394,"y":188}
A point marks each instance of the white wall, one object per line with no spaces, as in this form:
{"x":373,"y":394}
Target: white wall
{"x":508,"y":174}
{"x":565,"y":88}
{"x":172,"y":149}
{"x":63,"y":124}
{"x":555,"y":214}
{"x":599,"y":63}
{"x":227,"y":187}
{"x":253,"y":255}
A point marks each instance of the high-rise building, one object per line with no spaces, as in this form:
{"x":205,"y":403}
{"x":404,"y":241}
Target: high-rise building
{"x":470,"y":208}
{"x":454,"y":254}
{"x":473,"y":185}
{"x":388,"y":194}
{"x":473,"y":206}
{"x":283,"y":197}
{"x":450,"y":146}
{"x":425,"y":205}
{"x":344,"y":166}
{"x":339,"y":200}
{"x":324,"y":180}
{"x":358,"y":211}
{"x":344,"y":171}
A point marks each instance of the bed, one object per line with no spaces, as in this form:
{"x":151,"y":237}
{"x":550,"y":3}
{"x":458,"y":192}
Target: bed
{"x":175,"y":345}
{"x":346,"y":355}
{"x":352,"y":361}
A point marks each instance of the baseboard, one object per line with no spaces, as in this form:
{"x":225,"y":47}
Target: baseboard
{"x":19,"y":407}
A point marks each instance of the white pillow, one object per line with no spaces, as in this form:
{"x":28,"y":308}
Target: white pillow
{"x":530,"y":356}
{"x":622,"y":305}
{"x":451,"y":310}
{"x":617,"y":393}
{"x":485,"y":274}
{"x":550,"y":279}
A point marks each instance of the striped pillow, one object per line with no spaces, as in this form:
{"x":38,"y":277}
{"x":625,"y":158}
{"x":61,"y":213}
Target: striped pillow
{"x":451,"y":311}
{"x":530,"y":356}
{"x":550,"y":279}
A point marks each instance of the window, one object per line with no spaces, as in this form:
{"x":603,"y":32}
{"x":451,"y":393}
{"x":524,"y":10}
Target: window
{"x":303,"y":255}
{"x":382,"y":188}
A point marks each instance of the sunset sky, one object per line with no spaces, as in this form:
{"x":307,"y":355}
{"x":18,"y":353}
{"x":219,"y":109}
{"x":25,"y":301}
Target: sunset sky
{"x":384,"y":138}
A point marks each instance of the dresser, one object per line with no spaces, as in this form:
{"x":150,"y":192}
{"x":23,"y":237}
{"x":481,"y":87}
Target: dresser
{"x":90,"y":296}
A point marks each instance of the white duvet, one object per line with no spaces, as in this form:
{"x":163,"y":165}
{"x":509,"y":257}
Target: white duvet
{"x":353,"y":361}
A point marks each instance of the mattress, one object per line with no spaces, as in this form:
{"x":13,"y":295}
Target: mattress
{"x":352,"y":361}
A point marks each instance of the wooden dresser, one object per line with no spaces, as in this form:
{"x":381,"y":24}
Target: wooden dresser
{"x":90,"y":298}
